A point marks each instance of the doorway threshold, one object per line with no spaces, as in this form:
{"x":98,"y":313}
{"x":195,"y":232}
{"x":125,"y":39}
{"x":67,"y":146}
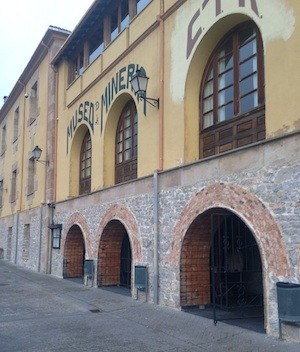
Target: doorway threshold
{"x":250,"y":319}
{"x":121,"y":290}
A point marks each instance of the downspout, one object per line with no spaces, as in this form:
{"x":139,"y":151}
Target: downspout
{"x":48,"y":249}
{"x":55,"y":134}
{"x":51,"y":205}
{"x":41,"y":236}
{"x":17,"y":239}
{"x":155,"y":242}
{"x":22,"y":173}
{"x":23,"y":147}
{"x":161,"y":86}
{"x":161,"y":156}
{"x":51,"y":209}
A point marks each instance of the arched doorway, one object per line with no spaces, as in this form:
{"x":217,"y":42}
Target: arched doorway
{"x":221,"y":269}
{"x":74,"y":254}
{"x":115,"y":256}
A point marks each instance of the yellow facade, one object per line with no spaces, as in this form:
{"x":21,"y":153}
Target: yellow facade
{"x":25,"y":118}
{"x":157,"y":40}
{"x":165,"y":202}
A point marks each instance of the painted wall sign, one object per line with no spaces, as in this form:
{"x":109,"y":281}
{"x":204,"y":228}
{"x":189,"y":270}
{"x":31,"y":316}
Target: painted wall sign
{"x":120,"y":81}
{"x":192,"y":39}
{"x":85,"y":113}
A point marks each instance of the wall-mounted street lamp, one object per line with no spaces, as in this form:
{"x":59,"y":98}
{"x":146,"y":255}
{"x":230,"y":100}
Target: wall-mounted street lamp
{"x":56,"y":235}
{"x":139,"y":83}
{"x":36,"y":153}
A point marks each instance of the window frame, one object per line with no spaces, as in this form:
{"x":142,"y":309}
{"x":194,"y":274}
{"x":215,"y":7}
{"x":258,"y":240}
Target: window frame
{"x":13,"y":190}
{"x":1,"y":192}
{"x":3,"y":139}
{"x":126,"y":168}
{"x":86,"y":148}
{"x":16,"y":124}
{"x":33,"y":103}
{"x":242,"y":128}
{"x":212,"y":63}
{"x":31,"y":176}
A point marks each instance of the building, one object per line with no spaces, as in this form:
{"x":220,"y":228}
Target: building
{"x":190,"y":189}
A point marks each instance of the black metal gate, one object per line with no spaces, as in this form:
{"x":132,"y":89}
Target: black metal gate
{"x":125,"y":271}
{"x":236,"y":273}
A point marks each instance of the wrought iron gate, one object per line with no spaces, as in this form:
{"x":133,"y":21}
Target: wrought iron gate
{"x":125,"y":272}
{"x":236,"y":274}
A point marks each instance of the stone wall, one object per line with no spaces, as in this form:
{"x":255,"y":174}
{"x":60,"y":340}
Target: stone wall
{"x":260,"y":184}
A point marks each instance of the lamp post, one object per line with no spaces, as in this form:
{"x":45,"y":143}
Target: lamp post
{"x":56,"y":235}
{"x":36,"y":153}
{"x":139,"y":82}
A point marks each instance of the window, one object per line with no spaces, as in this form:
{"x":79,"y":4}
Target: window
{"x":127,"y":144}
{"x":31,"y":174}
{"x":13,"y":192}
{"x":96,"y":44}
{"x":26,"y":242}
{"x":16,"y":124}
{"x":85,"y":164}
{"x":76,"y":66}
{"x":141,"y":4}
{"x":118,"y":19}
{"x":3,"y":140}
{"x":233,"y":87}
{"x":1,"y":193}
{"x":9,"y":243}
{"x":33,"y":100}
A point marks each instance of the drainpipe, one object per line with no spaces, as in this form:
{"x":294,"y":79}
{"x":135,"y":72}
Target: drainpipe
{"x":155,"y":242}
{"x":23,"y":147}
{"x":17,"y":238}
{"x":161,"y":86}
{"x":41,"y":236}
{"x":51,"y":209}
{"x":22,"y":172}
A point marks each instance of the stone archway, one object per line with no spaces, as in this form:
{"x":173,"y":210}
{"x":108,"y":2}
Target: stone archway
{"x":114,"y":260}
{"x":74,"y":253}
{"x":251,"y":210}
{"x":221,"y":269}
{"x":254,"y":214}
{"x":119,"y":246}
{"x":76,"y":246}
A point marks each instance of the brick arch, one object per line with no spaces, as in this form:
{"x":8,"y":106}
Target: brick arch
{"x":79,"y":220}
{"x":250,"y":209}
{"x":125,"y":216}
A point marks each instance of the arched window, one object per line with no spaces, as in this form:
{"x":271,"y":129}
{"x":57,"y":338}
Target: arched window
{"x":126,"y":145}
{"x":232,"y":94}
{"x":85,"y":164}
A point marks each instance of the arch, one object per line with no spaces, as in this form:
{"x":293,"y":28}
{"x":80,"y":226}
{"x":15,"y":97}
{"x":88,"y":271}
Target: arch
{"x":79,"y":220}
{"x":74,"y":253}
{"x":249,"y":209}
{"x":126,"y":144}
{"x":74,"y":162}
{"x":123,"y":215}
{"x":194,"y":77}
{"x":110,"y":136}
{"x":221,"y":268}
{"x":115,"y":256}
{"x":85,"y":164}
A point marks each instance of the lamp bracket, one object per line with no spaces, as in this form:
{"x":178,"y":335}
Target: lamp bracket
{"x":151,"y":101}
{"x":43,"y":161}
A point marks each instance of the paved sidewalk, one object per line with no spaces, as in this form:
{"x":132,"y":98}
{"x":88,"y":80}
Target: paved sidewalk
{"x":41,"y":313}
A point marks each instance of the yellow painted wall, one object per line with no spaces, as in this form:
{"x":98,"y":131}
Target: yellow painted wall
{"x":103,"y":143}
{"x":179,"y":110}
{"x":18,"y":152}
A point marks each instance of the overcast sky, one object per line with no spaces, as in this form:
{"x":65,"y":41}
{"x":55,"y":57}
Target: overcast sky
{"x":23,"y":23}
